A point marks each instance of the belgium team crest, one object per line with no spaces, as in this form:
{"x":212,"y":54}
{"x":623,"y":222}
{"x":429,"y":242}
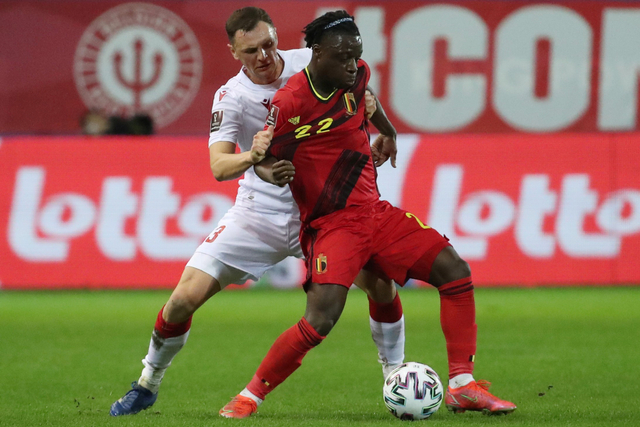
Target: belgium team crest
{"x":138,"y":57}
{"x":321,"y":264}
{"x":350,"y":103}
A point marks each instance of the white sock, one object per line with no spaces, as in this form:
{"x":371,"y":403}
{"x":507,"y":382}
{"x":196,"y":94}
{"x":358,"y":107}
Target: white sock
{"x":460,"y":380}
{"x":247,"y":393}
{"x":161,"y":353}
{"x":389,"y":338}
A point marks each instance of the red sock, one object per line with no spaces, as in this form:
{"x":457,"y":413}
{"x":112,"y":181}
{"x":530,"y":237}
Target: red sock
{"x":386,"y":313}
{"x":169,"y":330}
{"x":284,"y":357}
{"x":458,"y":320}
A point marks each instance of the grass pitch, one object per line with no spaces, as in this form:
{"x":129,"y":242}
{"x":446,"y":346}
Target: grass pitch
{"x":566,"y":357}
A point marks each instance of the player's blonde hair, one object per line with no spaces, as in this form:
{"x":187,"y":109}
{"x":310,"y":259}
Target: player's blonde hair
{"x":245,"y":19}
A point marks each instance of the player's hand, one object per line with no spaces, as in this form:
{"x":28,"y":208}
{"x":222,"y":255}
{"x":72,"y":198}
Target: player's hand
{"x":384,"y":148}
{"x":370,"y":104}
{"x":260,"y":145}
{"x":283,"y":172}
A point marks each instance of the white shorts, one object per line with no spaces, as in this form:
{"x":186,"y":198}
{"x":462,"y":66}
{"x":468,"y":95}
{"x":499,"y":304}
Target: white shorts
{"x":247,"y":243}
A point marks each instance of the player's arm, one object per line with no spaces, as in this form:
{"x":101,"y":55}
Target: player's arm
{"x":227,"y":122}
{"x":384,"y":147}
{"x":276,"y":172}
{"x":226,"y":164}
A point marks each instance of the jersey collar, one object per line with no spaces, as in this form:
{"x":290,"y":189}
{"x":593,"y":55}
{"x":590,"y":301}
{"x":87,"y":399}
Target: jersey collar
{"x":313,"y":89}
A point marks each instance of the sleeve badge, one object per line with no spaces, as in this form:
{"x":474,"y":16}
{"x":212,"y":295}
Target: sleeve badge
{"x":216,"y":120}
{"x":272,"y":118}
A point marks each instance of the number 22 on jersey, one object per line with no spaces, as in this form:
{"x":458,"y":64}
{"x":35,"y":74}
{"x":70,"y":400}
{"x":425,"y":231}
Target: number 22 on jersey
{"x":305,"y":130}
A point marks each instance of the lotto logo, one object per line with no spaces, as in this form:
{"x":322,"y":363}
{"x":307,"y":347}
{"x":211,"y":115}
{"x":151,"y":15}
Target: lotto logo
{"x":43,"y":229}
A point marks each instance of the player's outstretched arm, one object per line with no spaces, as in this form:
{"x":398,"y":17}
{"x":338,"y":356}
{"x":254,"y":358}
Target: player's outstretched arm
{"x":384,"y":147}
{"x":225,"y":163}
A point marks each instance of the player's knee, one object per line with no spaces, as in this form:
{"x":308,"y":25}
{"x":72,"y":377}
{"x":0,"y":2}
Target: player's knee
{"x":454,"y":269}
{"x":448,"y":267}
{"x":324,"y":306}
{"x":179,"y":308}
{"x":380,"y":290}
{"x":383,"y":292}
{"x":461,"y":269}
{"x":323,"y":319}
{"x":321,"y":322}
{"x":184,"y":301}
{"x":187,"y":301}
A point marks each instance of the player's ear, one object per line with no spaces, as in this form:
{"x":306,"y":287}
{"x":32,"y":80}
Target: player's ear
{"x":233,"y":51}
{"x":316,"y":49}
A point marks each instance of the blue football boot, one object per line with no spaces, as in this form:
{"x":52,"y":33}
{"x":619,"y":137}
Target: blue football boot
{"x":136,"y":400}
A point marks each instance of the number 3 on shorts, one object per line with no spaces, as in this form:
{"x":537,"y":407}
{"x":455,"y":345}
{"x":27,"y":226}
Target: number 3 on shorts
{"x":410,"y":215}
{"x":214,"y":235}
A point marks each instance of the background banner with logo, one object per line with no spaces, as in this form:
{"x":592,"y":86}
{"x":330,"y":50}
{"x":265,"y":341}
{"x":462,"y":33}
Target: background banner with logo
{"x":462,"y":67}
{"x":129,"y":212}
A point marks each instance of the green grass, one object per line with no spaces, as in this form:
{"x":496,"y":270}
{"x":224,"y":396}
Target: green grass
{"x":567,"y":357}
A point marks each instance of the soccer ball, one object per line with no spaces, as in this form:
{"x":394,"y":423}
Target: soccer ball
{"x":413,"y":391}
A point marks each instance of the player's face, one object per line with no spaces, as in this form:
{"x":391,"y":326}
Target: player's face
{"x":257,"y":50}
{"x":338,"y":59}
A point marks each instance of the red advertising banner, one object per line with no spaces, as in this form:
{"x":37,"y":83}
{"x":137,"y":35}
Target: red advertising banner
{"x":129,"y":212}
{"x":448,"y":67}
{"x":533,"y":209}
{"x":81,"y":212}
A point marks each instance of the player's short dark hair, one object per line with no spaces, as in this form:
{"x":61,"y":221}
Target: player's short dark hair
{"x":338,"y":21}
{"x":245,"y":19}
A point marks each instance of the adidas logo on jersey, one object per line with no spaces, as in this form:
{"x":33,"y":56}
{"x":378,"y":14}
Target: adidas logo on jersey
{"x":294,"y":120}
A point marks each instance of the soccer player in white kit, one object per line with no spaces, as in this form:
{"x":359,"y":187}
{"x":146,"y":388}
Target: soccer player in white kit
{"x":262,"y":228}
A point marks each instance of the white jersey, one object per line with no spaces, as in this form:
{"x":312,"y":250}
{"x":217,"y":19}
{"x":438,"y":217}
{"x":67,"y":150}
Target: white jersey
{"x":240,"y":108}
{"x":262,"y":228}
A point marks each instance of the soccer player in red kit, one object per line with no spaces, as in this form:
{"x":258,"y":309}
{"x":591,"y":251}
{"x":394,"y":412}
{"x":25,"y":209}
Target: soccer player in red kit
{"x":320,"y":146}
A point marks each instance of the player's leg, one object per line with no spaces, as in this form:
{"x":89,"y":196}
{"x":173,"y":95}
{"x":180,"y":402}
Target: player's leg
{"x":452,"y":276}
{"x":174,"y":322}
{"x":202,"y":278}
{"x":169,"y":335}
{"x":385,"y":319}
{"x":240,"y":239}
{"x":324,"y":307}
{"x":338,"y":252}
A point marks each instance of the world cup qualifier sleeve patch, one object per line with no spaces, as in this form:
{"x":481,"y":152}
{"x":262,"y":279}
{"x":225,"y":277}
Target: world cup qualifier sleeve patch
{"x":216,"y":120}
{"x":272,"y":118}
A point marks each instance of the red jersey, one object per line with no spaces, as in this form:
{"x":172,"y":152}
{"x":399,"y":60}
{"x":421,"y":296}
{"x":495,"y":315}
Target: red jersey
{"x":327,"y":140}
